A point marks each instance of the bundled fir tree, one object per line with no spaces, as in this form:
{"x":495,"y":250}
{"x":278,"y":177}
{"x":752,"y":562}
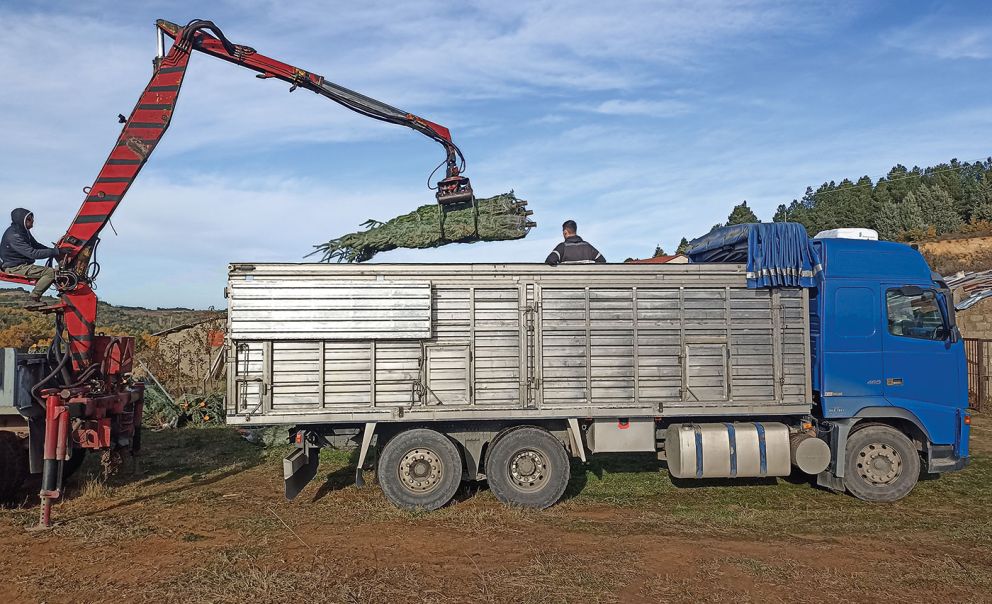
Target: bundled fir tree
{"x":500,"y":218}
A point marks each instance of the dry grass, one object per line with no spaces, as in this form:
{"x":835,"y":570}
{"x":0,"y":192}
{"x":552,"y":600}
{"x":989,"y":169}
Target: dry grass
{"x":205,"y":522}
{"x":247,"y":574}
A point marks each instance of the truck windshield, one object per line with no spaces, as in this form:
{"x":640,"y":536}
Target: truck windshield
{"x":915,"y":315}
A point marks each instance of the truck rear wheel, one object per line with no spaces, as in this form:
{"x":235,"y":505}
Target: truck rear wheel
{"x":882,"y":464}
{"x":419,"y":469}
{"x":527,"y":467}
{"x":13,"y":465}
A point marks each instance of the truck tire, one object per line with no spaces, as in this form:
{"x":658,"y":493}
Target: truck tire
{"x":13,"y":466}
{"x":527,"y":467}
{"x":882,"y":464}
{"x":419,"y":469}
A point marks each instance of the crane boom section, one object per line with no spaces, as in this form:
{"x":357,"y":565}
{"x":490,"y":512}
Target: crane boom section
{"x":151,"y":117}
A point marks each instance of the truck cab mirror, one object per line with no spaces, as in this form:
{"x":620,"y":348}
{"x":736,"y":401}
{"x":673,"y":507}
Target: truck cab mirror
{"x":950,"y":331}
{"x":911,"y":290}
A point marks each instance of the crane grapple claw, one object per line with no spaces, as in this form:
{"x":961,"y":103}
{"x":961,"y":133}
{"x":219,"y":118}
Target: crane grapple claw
{"x":453,"y":190}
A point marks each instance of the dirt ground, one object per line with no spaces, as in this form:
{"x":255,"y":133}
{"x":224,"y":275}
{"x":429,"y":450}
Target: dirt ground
{"x":203,"y":520}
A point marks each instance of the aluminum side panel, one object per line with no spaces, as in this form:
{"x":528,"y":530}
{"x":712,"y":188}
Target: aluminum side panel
{"x":517,"y":341}
{"x":321,"y":309}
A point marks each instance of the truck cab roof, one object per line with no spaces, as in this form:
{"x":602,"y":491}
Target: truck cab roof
{"x":865,"y":259}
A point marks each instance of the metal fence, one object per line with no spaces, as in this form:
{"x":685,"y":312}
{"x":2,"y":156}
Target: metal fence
{"x":979,"y":355}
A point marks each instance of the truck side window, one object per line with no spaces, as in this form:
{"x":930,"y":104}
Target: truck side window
{"x":915,"y":315}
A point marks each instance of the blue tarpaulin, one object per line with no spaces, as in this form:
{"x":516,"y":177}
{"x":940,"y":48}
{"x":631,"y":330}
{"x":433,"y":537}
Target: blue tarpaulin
{"x":778,"y":254}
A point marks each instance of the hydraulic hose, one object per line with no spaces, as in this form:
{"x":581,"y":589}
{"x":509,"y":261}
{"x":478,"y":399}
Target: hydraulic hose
{"x":55,"y":349}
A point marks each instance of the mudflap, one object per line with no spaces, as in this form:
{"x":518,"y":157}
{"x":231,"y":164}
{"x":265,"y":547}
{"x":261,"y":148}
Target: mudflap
{"x":36,"y":443}
{"x":829,"y":480}
{"x":299,"y":468}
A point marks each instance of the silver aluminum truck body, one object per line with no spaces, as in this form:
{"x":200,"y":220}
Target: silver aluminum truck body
{"x":497,"y":371}
{"x":326,"y":343}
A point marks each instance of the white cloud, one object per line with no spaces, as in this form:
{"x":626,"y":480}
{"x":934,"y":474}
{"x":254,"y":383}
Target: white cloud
{"x":945,"y":38}
{"x":639,"y":107}
{"x":484,"y":50}
{"x":427,"y":58}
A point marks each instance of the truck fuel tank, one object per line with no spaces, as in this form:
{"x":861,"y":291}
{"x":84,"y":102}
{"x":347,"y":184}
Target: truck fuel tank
{"x":728,"y":450}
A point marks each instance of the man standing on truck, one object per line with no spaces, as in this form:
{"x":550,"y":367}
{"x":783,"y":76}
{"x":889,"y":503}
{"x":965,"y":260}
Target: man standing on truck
{"x":18,"y":251}
{"x":573,"y":249}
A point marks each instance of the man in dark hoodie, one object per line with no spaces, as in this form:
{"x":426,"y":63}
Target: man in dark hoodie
{"x":19,"y":249}
{"x":573,"y":249}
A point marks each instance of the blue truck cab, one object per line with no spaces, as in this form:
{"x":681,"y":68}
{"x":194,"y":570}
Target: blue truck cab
{"x":887,"y":362}
{"x":885,"y":347}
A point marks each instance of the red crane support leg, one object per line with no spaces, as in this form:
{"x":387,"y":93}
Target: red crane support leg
{"x":56,"y":444}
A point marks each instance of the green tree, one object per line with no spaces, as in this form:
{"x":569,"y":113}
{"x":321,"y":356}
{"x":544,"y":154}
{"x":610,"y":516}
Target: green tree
{"x":976,"y":191}
{"x":980,"y":199}
{"x":741,"y":214}
{"x":897,"y":219}
{"x":683,"y":246}
{"x":782,"y":213}
{"x":800,"y":211}
{"x":896,"y":185}
{"x":937,"y":208}
{"x":658,"y":251}
{"x":854,"y":205}
{"x":952,"y":178}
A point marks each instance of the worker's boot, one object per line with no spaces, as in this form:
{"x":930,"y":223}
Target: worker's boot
{"x":34,"y":301}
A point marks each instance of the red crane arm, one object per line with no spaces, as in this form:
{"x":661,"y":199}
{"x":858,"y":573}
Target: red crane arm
{"x":140,"y":135}
{"x":152,"y":114}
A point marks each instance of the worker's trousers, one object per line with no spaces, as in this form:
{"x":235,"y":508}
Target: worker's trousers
{"x":44,"y":274}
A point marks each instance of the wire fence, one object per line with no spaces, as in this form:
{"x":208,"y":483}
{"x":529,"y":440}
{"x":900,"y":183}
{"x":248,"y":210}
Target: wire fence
{"x":979,"y":361}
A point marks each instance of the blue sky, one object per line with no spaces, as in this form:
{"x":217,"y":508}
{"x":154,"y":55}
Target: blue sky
{"x":643,"y":121}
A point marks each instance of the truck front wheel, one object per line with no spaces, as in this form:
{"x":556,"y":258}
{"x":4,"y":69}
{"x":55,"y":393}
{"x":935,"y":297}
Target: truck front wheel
{"x":527,"y":467}
{"x":419,"y":469}
{"x":882,"y":464}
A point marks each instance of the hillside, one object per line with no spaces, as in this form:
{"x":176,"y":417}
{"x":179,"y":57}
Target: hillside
{"x":952,"y":199}
{"x":949,"y":256}
{"x":22,"y":329}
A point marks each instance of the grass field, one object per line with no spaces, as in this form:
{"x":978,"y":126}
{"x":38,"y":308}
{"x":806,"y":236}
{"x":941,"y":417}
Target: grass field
{"x":203,"y":520}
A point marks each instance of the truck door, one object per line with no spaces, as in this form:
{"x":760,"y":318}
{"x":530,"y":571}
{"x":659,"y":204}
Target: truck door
{"x":920,"y":360}
{"x":852,"y":344}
